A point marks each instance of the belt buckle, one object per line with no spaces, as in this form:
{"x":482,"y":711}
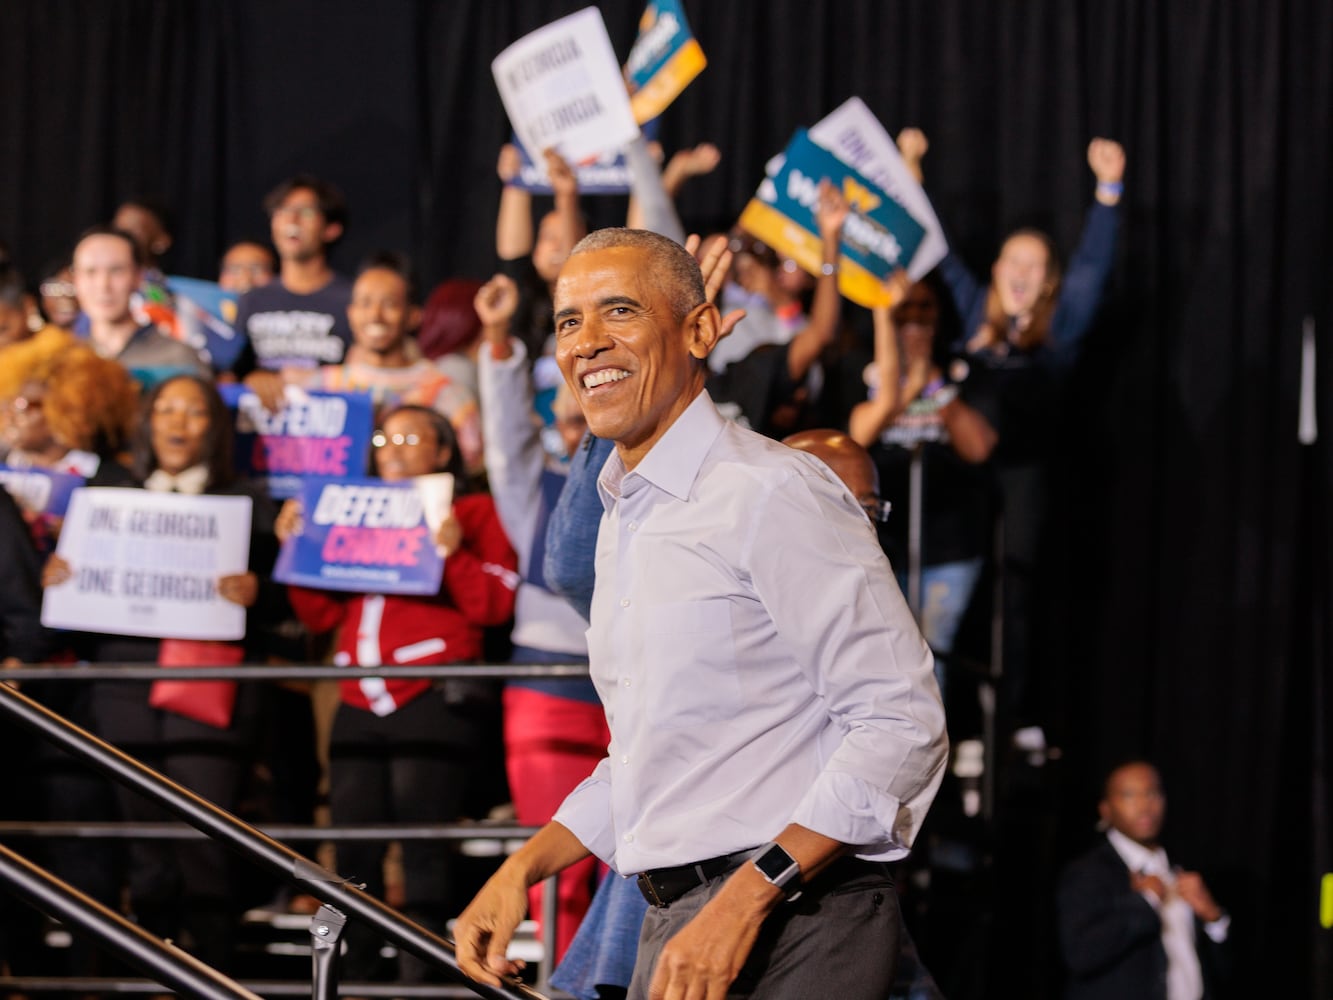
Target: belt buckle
{"x":649,"y":890}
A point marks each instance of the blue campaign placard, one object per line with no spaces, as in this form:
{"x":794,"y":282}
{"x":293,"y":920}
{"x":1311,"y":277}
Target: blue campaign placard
{"x":40,"y":491}
{"x":205,"y":318}
{"x":608,"y":174}
{"x":316,"y":433}
{"x":362,"y":535}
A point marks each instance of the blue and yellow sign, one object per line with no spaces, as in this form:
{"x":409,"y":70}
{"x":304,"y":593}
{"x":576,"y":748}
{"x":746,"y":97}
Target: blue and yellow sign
{"x":665,"y":58}
{"x":878,"y":237}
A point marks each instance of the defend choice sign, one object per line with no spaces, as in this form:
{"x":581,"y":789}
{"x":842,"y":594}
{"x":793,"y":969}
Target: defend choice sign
{"x":149,"y":563}
{"x":363,"y":535}
{"x":323,"y":434}
{"x":562,"y":88}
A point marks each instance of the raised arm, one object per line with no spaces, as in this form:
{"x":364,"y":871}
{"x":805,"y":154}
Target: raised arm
{"x":654,"y":190}
{"x":650,"y":206}
{"x":513,"y":224}
{"x":565,"y":186}
{"x":869,"y":418}
{"x":826,"y":310}
{"x":515,"y":458}
{"x":971,"y":434}
{"x":1090,"y":266}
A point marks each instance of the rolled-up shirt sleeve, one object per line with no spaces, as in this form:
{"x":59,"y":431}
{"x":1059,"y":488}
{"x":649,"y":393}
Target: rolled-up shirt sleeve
{"x":586,"y":813}
{"x":850,"y":629}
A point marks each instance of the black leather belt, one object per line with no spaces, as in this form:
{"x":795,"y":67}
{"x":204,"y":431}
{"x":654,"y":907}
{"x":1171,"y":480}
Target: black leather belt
{"x":663,"y":886}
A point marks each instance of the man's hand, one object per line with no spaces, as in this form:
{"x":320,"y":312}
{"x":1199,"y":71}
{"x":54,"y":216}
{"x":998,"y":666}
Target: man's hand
{"x":269,"y":387}
{"x":1140,"y":882}
{"x":449,"y":537}
{"x":509,"y":162}
{"x":687,"y":163}
{"x":290,"y":520}
{"x":913,"y":145}
{"x":239,"y":588}
{"x":707,"y":954}
{"x":563,"y":180}
{"x":830,"y":211}
{"x":1106,"y":157}
{"x":1191,"y":888}
{"x":56,"y":571}
{"x":483,"y":931}
{"x":715,"y":264}
{"x":495,"y":303}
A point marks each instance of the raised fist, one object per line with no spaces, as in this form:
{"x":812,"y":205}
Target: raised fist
{"x":1106,"y":157}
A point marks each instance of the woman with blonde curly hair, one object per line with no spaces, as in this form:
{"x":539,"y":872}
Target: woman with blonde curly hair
{"x":62,"y":406}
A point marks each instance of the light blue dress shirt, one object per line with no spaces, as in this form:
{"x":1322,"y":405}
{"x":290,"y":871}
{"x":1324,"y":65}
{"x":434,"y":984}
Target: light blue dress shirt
{"x":758,"y":663}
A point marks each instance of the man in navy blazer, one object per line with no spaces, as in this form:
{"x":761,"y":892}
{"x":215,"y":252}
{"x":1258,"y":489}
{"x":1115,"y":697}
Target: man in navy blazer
{"x":1132,"y":926}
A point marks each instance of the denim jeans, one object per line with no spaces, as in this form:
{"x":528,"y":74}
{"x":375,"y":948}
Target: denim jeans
{"x":946,"y":591}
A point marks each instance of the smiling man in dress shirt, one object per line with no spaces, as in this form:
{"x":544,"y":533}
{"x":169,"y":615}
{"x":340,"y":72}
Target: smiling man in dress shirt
{"x":776,"y":730}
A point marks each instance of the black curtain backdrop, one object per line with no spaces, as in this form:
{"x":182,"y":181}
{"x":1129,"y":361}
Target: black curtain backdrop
{"x":1191,"y":554}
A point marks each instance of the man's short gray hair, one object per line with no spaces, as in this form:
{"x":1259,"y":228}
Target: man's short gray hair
{"x":675,"y":270}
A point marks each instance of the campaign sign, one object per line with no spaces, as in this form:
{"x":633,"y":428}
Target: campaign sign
{"x":853,"y":134}
{"x":607,"y":174}
{"x":40,"y":491}
{"x":878,"y":237}
{"x":663,"y":61}
{"x":148,"y":564}
{"x":314,"y":434}
{"x":204,"y":317}
{"x":562,"y":88}
{"x":363,"y":535}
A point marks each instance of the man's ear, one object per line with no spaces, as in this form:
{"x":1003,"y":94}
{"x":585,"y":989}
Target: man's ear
{"x":332,"y":231}
{"x":705,"y":329}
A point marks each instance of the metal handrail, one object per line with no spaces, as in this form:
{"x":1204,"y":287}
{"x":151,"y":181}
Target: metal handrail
{"x":259,"y":847}
{"x":289,"y":671}
{"x":167,"y":964}
{"x":482,"y":830}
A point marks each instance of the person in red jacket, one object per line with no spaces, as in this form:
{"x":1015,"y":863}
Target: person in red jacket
{"x":400,"y":748}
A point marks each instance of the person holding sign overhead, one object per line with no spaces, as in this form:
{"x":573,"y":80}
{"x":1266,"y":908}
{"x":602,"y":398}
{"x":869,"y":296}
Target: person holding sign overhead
{"x":400,"y":748}
{"x":183,"y":446}
{"x":533,"y":262}
{"x":767,"y":373}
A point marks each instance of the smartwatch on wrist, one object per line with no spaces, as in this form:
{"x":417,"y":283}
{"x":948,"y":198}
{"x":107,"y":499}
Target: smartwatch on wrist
{"x":779,"y":869}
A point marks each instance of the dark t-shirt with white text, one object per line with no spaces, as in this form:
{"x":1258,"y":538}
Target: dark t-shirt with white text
{"x":284,"y":329}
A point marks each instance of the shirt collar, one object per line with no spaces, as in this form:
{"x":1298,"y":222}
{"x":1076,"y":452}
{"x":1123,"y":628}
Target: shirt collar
{"x":1136,"y":857}
{"x":192,"y":480}
{"x":673,"y":462}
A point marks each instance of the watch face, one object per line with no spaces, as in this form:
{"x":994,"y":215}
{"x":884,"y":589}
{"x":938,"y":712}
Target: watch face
{"x":774,"y":863}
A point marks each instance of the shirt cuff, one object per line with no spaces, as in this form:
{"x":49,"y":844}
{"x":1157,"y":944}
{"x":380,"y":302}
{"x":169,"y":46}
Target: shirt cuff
{"x":854,"y":812}
{"x":585,"y":813}
{"x":1218,"y":929}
